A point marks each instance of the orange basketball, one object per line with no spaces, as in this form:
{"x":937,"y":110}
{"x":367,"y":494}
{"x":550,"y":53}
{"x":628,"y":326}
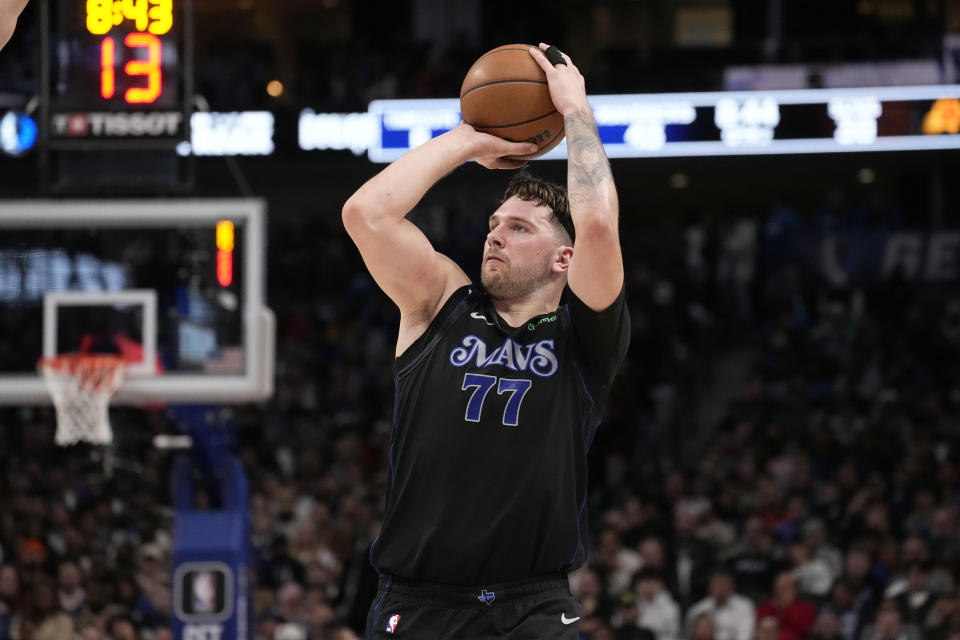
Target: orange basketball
{"x":505,"y":94}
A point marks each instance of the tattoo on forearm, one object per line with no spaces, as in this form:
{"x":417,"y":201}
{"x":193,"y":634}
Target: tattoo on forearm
{"x":588,"y":167}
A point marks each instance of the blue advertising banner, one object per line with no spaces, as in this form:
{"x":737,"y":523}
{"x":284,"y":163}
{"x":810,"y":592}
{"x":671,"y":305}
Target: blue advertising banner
{"x":210,"y":559}
{"x":867,"y":258}
{"x":712,"y":123}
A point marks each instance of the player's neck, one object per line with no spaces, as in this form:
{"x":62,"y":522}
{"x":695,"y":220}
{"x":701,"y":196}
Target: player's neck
{"x":517,"y":311}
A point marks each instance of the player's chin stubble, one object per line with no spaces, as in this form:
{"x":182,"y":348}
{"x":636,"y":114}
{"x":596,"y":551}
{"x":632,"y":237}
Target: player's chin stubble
{"x":504,"y":286}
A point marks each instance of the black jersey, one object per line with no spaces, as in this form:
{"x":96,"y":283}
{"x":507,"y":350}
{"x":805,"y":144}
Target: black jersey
{"x":488,"y":456}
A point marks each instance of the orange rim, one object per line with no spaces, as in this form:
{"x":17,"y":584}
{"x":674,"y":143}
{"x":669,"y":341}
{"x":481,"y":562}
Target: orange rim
{"x":91,"y":369}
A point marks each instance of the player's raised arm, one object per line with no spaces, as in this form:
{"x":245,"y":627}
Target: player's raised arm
{"x":399,"y":256}
{"x":596,"y":269}
{"x":9,"y":12}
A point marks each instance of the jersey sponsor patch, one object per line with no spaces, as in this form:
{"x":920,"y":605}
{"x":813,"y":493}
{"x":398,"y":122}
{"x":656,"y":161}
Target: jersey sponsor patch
{"x":393,"y":622}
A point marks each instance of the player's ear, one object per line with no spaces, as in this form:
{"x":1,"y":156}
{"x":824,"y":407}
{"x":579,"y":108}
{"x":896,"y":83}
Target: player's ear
{"x":561,"y":261}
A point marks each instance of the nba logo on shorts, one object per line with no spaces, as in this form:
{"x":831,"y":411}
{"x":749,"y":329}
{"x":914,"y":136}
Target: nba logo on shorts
{"x":204,"y":592}
{"x":393,"y":622}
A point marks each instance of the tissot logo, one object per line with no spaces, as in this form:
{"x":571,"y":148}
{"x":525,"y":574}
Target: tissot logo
{"x":103,"y":124}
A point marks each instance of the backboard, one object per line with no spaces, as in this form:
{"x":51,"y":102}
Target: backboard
{"x":174,"y":286}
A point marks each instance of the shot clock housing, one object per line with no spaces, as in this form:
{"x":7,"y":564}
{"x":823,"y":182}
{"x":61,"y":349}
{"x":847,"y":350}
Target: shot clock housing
{"x":117,"y":84}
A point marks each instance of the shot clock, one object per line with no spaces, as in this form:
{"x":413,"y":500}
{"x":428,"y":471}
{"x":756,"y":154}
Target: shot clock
{"x":118,"y":72}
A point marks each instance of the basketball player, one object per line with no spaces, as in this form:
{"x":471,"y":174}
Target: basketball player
{"x":9,"y":12}
{"x":500,"y":385}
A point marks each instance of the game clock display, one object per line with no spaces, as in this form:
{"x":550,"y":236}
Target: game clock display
{"x":152,"y":19}
{"x":118,"y":69}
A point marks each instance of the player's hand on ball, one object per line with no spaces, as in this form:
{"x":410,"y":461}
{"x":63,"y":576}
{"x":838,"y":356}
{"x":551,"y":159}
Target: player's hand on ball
{"x":567,"y":87}
{"x":491,"y":151}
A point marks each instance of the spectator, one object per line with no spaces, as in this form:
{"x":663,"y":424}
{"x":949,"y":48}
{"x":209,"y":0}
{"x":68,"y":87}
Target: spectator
{"x":827,"y":627}
{"x":653,"y":556}
{"x":163,"y":633}
{"x":945,"y":535}
{"x":43,"y":616}
{"x":733,"y":616}
{"x":619,"y":562}
{"x":281,"y":567}
{"x":121,"y":627}
{"x":841,"y":608}
{"x":658,"y":611}
{"x":290,"y":603}
{"x":337,"y":631}
{"x":319,"y":616}
{"x":70,"y":591}
{"x":795,"y":615}
{"x":812,"y":573}
{"x":9,"y":598}
{"x":939,"y":575}
{"x":691,"y":555}
{"x":753,"y":564}
{"x":90,"y":632}
{"x":626,"y":615}
{"x":153,"y":604}
{"x":813,"y":534}
{"x":768,"y":628}
{"x":586,"y":585}
{"x":861,"y":583}
{"x":290,"y":631}
{"x":603,"y":632}
{"x":99,"y":594}
{"x":920,"y":520}
{"x":267,"y":626}
{"x":913,"y":598}
{"x":889,"y":625}
{"x":702,"y":628}
{"x":943,"y":612}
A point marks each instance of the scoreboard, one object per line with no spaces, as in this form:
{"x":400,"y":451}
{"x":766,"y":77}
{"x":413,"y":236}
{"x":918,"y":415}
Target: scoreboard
{"x":718,"y":123}
{"x":117,"y":73}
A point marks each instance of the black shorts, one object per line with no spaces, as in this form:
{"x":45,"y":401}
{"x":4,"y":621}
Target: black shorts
{"x":535,"y":609}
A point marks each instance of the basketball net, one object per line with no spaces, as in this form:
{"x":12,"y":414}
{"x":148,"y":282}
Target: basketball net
{"x":81,"y":386}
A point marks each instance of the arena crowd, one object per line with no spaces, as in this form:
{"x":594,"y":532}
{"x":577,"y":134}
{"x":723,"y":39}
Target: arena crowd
{"x":821,"y":502}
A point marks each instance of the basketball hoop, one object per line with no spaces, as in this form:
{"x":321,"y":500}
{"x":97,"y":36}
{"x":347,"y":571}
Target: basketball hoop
{"x":81,"y":386}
